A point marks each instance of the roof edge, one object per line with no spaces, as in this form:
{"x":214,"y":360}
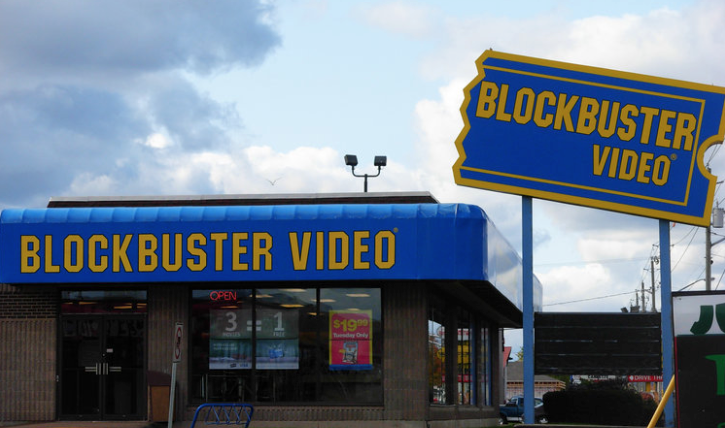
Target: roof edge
{"x":243,"y":199}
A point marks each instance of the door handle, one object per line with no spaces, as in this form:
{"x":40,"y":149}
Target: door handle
{"x":102,"y":369}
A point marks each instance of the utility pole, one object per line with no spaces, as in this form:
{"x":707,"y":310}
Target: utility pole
{"x":717,"y":222}
{"x":636,"y":302}
{"x":644,"y":305}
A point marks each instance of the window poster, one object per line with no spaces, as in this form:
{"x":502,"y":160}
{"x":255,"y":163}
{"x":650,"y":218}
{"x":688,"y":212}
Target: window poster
{"x":277,"y":339}
{"x":230,"y":339}
{"x":351,"y":339}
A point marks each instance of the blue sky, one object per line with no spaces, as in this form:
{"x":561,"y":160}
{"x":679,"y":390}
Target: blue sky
{"x":152,"y":97}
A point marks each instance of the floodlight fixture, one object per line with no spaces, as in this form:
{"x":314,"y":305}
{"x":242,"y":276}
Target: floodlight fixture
{"x":351,"y":160}
{"x":379,"y":161}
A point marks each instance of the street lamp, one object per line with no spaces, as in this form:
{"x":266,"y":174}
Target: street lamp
{"x":695,"y":282}
{"x":379,"y":161}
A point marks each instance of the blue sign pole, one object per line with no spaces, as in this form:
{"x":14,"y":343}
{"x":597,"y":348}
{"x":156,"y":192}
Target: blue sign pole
{"x":528,"y":294}
{"x":666,"y":304}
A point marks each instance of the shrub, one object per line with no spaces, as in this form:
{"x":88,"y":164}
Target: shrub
{"x":603,"y":403}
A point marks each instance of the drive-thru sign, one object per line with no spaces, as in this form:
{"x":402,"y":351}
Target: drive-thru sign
{"x":589,"y":136}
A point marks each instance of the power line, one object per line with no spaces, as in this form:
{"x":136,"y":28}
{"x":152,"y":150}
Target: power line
{"x":684,"y":251}
{"x":636,"y":259}
{"x":692,"y":229}
{"x":592,"y":298}
{"x":718,"y":281}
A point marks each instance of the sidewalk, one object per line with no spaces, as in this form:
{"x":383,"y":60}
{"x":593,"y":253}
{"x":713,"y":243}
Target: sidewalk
{"x":94,"y":424}
{"x":572,"y":426}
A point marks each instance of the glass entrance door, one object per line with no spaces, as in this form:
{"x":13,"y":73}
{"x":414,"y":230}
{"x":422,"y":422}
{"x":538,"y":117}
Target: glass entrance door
{"x":102,"y":373}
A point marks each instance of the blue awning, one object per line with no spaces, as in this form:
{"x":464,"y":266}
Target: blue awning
{"x":258,"y":243}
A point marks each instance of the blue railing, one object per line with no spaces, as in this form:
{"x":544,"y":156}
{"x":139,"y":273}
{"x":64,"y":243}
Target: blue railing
{"x":223,"y":414}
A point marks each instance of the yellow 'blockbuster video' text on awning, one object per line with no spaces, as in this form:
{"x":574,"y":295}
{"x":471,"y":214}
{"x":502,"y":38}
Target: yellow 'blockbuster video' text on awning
{"x":330,"y":250}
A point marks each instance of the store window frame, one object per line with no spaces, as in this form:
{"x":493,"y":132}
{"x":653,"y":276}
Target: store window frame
{"x":485,"y":379}
{"x":439,"y":341}
{"x":315,"y":359}
{"x":466,"y":362}
{"x":450,"y":311}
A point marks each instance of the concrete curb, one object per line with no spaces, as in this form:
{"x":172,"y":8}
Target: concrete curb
{"x":572,"y":426}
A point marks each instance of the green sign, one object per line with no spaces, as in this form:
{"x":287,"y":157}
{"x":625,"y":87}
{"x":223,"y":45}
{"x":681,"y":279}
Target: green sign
{"x":699,"y":321}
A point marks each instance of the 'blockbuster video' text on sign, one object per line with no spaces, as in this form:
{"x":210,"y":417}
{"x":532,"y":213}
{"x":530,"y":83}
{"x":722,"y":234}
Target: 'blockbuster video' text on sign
{"x":590,"y":136}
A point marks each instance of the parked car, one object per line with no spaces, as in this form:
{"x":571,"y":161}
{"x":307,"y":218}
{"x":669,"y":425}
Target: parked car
{"x":513,"y":410}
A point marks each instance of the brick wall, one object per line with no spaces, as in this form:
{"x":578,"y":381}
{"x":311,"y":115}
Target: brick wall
{"x":28,"y":302}
{"x":28,"y":343}
{"x":406,"y":352}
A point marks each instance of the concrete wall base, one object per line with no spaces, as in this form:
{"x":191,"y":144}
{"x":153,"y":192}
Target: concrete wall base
{"x":461,"y":423}
{"x":464,"y":423}
{"x":338,"y":424}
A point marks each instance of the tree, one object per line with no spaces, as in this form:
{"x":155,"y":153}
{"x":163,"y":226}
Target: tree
{"x":520,"y":354}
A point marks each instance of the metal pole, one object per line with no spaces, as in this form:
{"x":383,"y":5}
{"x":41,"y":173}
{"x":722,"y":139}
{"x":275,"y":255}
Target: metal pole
{"x":170,"y":422}
{"x":528,"y":303}
{"x":668,"y":353}
{"x":652,"y":263}
{"x":708,"y":258}
{"x":643,"y":309}
{"x":663,"y":403}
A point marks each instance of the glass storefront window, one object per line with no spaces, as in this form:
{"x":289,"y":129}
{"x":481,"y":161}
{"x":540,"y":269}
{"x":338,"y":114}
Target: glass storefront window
{"x":280,"y":345}
{"x":351,"y":342}
{"x":466,"y":359}
{"x":286,"y":326}
{"x":485,"y":377}
{"x":103,"y":301}
{"x":448,"y":325}
{"x":221,"y":331}
{"x":437,"y":353}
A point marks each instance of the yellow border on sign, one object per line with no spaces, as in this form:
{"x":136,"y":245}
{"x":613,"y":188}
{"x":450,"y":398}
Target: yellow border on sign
{"x":703,"y":220}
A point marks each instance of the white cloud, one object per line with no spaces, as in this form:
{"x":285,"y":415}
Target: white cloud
{"x":410,"y":19}
{"x":185,"y":144}
{"x":576,"y":284}
{"x":610,"y":246}
{"x":157,"y":140}
{"x":663,"y":42}
{"x":670,"y":43}
{"x":86,"y":184}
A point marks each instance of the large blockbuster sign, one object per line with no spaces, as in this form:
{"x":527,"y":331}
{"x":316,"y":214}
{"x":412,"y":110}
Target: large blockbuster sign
{"x":592,"y":137}
{"x":589,"y":136}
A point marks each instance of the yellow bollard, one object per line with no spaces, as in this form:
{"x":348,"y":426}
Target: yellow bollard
{"x":663,"y":403}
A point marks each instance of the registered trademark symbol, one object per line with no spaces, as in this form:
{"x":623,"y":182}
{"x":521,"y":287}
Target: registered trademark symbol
{"x":673,"y":156}
{"x":395,"y":230}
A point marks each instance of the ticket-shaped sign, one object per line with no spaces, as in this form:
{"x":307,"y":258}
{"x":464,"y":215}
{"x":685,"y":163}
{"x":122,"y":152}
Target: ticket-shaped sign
{"x":590,"y":136}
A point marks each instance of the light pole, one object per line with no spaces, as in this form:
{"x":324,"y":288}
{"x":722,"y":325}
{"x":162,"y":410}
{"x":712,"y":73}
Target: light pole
{"x":379,"y":161}
{"x":717,"y":222}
